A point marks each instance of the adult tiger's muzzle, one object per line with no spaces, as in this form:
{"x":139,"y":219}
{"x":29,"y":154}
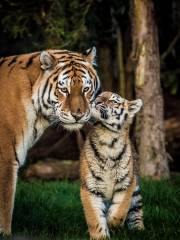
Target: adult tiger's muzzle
{"x":76,"y":112}
{"x":79,"y":106}
{"x":77,"y":116}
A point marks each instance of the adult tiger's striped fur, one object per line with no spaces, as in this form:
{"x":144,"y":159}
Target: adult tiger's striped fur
{"x":109,"y":187}
{"x":38,"y":89}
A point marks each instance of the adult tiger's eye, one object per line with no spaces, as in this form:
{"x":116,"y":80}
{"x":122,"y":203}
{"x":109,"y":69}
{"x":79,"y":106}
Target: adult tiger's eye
{"x":86,"y":89}
{"x":65,"y":90}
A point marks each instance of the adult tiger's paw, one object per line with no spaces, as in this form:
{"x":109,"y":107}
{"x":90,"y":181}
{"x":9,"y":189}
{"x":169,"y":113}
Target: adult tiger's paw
{"x":5,"y":237}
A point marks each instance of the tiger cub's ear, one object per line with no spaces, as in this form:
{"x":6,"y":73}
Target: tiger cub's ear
{"x":47,"y":60}
{"x":91,"y":55}
{"x":134,"y":107}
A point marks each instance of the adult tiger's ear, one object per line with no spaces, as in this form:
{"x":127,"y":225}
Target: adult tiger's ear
{"x":134,"y":107}
{"x":91,"y":55}
{"x":47,"y":60}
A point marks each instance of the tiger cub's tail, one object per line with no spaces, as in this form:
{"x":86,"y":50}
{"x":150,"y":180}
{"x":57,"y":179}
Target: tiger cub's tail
{"x":134,"y":217}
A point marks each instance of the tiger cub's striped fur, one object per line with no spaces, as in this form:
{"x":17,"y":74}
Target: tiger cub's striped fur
{"x":109,"y":188}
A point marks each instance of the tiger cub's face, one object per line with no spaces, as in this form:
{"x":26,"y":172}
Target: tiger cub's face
{"x":113,"y":111}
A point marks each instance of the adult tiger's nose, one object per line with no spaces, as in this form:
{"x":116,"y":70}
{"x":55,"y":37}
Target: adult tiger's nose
{"x":77,"y":116}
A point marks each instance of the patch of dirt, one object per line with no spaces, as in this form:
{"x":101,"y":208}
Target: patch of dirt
{"x":52,"y":169}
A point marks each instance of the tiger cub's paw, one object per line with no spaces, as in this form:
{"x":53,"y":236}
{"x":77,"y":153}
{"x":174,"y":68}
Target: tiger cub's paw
{"x":100,"y":234}
{"x":114,"y":222}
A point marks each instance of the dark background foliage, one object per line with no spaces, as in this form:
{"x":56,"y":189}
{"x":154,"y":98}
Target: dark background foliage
{"x":27,"y":26}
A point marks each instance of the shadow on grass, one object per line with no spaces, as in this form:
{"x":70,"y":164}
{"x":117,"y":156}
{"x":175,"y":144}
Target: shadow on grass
{"x":52,"y":210}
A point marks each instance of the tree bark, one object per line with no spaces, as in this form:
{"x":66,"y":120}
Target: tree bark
{"x":105,"y":66}
{"x":121,"y":71}
{"x":150,"y":121}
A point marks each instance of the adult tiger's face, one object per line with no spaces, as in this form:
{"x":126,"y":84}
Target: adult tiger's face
{"x":113,"y":111}
{"x":71,"y":85}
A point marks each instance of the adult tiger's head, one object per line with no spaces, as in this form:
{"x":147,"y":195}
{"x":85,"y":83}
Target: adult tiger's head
{"x":69,"y":83}
{"x":114,"y":111}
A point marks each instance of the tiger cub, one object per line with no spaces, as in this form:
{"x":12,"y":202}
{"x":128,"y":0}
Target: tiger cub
{"x":109,"y":188}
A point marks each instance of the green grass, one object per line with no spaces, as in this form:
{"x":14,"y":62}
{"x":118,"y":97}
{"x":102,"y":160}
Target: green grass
{"x":52,"y":210}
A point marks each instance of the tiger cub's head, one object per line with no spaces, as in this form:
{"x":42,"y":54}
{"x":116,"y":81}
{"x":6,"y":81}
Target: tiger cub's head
{"x":113,"y":111}
{"x":70,"y":84}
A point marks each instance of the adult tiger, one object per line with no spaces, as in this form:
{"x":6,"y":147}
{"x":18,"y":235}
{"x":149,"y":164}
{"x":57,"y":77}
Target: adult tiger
{"x":36,"y":90}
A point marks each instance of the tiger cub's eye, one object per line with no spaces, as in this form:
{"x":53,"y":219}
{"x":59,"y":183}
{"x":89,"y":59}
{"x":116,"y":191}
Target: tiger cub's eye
{"x":65,"y":90}
{"x":98,"y":102}
{"x":114,"y":102}
{"x":86,"y":89}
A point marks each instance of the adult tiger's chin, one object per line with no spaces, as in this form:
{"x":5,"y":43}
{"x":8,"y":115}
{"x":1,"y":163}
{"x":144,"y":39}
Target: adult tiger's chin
{"x":72,"y":126}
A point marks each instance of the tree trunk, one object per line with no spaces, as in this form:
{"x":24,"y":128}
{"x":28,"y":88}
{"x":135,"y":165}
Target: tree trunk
{"x":150,"y":122}
{"x":121,"y":71}
{"x":105,"y":66}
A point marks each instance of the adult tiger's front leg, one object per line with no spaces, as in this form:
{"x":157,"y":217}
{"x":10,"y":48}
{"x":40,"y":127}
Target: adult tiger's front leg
{"x":8,"y":177}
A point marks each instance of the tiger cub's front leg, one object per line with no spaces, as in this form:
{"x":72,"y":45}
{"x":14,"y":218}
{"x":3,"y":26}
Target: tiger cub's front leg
{"x":94,"y":209}
{"x":120,"y":206}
